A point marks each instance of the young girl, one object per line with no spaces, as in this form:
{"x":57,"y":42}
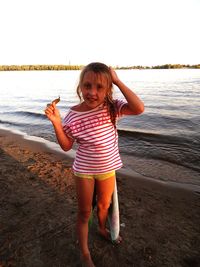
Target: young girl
{"x":92,"y":124}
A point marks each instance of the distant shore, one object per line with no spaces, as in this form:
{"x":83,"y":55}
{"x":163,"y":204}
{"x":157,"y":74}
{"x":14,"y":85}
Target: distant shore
{"x":78,"y":67}
{"x":159,"y":223}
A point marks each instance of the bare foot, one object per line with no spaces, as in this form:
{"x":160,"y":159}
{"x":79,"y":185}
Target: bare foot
{"x":87,"y":261}
{"x":105,"y":233}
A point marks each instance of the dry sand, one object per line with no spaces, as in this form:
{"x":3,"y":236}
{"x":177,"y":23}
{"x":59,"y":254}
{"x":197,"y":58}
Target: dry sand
{"x":160,"y":223}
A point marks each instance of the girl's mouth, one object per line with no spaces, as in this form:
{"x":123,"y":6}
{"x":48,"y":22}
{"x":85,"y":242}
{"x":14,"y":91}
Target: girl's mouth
{"x":91,"y":99}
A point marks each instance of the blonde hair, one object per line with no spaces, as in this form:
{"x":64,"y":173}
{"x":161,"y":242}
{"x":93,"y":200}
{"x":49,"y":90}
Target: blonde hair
{"x":100,"y":69}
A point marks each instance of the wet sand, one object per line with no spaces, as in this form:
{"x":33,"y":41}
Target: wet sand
{"x":159,"y":222}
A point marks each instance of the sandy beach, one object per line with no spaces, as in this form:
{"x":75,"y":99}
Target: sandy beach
{"x":160,"y":224}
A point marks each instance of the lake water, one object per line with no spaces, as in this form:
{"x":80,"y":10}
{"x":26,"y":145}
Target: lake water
{"x":163,"y":143}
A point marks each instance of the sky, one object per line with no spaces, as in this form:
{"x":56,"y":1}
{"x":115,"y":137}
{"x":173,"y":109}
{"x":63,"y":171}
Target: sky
{"x":116,"y":32}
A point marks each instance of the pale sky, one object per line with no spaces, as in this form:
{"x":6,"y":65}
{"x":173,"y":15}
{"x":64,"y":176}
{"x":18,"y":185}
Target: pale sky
{"x":116,"y":32}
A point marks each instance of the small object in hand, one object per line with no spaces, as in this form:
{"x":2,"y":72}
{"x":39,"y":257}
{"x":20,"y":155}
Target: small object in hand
{"x":55,"y":101}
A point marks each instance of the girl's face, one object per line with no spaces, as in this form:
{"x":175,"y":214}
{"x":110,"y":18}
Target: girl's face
{"x":94,"y":88}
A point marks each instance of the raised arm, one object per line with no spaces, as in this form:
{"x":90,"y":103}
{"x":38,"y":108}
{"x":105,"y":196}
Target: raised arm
{"x":134,"y":105}
{"x":53,"y":115}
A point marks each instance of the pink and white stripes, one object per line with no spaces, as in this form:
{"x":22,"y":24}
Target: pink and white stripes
{"x":96,"y":137}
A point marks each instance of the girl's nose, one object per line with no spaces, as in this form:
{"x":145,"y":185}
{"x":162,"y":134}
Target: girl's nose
{"x":93,"y":91}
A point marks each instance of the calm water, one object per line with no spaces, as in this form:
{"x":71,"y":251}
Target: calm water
{"x":163,"y":143}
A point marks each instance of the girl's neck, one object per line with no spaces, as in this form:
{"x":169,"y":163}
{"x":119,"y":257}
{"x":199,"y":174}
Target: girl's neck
{"x":83,"y":107}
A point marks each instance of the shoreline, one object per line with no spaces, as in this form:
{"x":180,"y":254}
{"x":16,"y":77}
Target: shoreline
{"x":40,"y":144}
{"x":159,"y":222}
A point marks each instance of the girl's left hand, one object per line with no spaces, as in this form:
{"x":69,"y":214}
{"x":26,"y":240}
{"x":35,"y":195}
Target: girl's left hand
{"x":114,"y":76}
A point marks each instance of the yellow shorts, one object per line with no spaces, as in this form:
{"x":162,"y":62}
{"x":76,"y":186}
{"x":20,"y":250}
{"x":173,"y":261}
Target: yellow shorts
{"x":100,"y":177}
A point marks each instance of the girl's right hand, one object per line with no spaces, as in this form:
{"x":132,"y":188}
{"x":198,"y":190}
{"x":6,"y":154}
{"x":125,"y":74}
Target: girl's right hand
{"x":53,"y":113}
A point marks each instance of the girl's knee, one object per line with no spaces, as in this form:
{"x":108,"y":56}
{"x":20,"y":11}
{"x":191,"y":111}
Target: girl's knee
{"x":103,"y":205}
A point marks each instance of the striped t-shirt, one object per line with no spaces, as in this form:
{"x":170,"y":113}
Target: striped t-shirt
{"x":96,"y":137}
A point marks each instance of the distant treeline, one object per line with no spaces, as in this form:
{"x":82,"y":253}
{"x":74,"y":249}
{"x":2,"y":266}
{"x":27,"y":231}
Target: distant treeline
{"x":39,"y":67}
{"x":166,"y":66}
{"x":78,"y":67}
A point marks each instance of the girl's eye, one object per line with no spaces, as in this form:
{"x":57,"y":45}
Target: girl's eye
{"x":99,"y":87}
{"x":87,"y":85}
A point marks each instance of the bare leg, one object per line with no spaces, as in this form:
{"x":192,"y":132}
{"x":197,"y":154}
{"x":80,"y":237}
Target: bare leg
{"x":105,"y":190}
{"x":85,"y":189}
